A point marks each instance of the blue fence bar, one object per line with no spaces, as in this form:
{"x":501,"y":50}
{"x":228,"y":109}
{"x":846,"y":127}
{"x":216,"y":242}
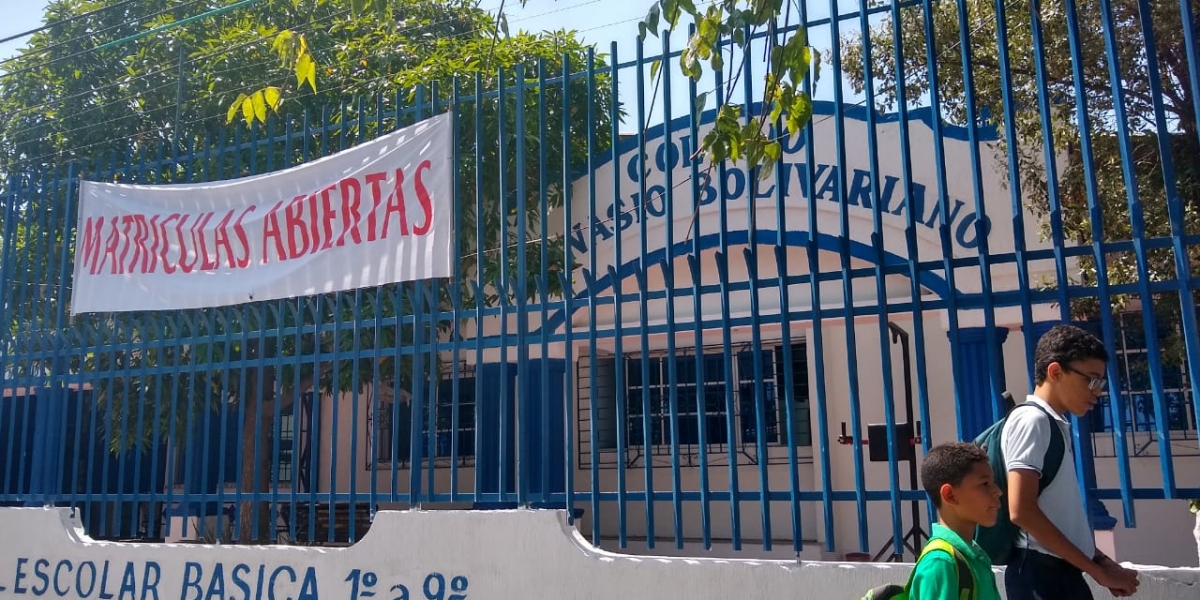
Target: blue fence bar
{"x":677,"y":353}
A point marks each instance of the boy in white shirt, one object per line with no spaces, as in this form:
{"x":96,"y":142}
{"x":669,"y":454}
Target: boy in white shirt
{"x":1057,"y":545}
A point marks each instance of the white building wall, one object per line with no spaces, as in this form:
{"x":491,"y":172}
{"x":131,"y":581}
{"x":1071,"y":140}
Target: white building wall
{"x":453,"y":555}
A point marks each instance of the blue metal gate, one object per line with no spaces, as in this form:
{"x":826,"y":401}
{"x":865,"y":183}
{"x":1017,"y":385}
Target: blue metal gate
{"x":672,"y":350}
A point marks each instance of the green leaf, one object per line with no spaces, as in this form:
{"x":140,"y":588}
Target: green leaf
{"x":306,"y":70}
{"x":248,"y":111}
{"x":671,"y":12}
{"x":654,"y":66}
{"x":699,"y":102}
{"x":233,"y":108}
{"x":259,"y":102}
{"x":799,"y":113}
{"x":273,"y":97}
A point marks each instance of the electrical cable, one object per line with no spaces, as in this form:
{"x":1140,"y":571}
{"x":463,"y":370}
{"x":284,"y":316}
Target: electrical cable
{"x":92,"y":92}
{"x":63,"y":22}
{"x":80,"y":38}
{"x":148,"y":131}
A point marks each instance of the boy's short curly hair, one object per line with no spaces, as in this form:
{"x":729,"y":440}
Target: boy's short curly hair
{"x":1065,"y":344}
{"x":948,"y":463}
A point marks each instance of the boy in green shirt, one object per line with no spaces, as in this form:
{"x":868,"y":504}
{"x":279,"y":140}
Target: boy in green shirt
{"x":960,"y":483}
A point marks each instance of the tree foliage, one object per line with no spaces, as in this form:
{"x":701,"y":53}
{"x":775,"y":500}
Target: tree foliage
{"x":1077,"y":103}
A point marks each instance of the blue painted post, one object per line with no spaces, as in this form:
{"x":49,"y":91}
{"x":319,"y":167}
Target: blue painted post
{"x":978,"y":393}
{"x":1085,"y":457}
{"x":47,"y":404}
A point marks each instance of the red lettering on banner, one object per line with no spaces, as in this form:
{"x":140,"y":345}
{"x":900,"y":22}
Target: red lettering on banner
{"x":297,"y":234}
{"x":110,"y":249}
{"x":351,"y":198}
{"x":328,"y":214}
{"x":353,"y":211}
{"x":150,"y":258}
{"x":221,"y":240}
{"x":127,"y":237}
{"x":395,"y":205}
{"x":272,"y":231}
{"x":139,"y":241}
{"x":375,"y":180}
{"x":207,"y":261}
{"x":313,"y":226}
{"x":423,"y":198}
{"x":168,"y":266}
{"x":240,"y":233}
{"x":93,"y":230}
{"x":184,"y":251}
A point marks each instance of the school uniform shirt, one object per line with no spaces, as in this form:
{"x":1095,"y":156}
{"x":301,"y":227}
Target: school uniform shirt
{"x":936,"y":576}
{"x":1024,"y":441}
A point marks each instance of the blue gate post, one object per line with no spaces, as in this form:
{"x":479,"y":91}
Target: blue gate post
{"x":45,"y":463}
{"x":1085,"y":454}
{"x":977,"y":391}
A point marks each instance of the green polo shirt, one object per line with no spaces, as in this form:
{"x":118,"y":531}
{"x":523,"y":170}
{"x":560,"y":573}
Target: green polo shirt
{"x":936,"y":576}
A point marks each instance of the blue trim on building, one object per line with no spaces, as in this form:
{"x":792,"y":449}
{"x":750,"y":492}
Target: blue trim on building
{"x":821,"y":108}
{"x":827,"y":242}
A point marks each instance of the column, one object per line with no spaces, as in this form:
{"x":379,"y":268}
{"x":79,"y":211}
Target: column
{"x":980,"y":363}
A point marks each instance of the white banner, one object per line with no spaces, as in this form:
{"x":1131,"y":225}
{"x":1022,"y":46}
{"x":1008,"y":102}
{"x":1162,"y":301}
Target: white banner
{"x":378,"y":213}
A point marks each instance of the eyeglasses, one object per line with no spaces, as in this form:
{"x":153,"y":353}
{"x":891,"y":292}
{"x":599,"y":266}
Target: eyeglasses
{"x":1094,"y":383}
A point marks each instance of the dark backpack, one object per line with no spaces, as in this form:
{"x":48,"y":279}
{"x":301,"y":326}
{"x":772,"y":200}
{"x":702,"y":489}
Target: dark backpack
{"x":966,"y":579}
{"x":1000,"y":539}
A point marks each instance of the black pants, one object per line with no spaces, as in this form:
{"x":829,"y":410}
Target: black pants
{"x":1035,"y":576}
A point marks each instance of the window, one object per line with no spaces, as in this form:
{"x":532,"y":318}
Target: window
{"x":447,"y":428}
{"x":388,"y":432}
{"x":287,"y":436}
{"x":1134,"y":386}
{"x":701,"y":406}
{"x":390,"y":426}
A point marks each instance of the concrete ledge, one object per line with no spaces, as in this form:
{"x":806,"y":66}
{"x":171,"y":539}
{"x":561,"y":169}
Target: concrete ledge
{"x":439,"y":555}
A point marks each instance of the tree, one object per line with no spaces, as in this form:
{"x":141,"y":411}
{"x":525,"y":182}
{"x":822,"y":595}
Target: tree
{"x":168,"y":95}
{"x":721,"y":27}
{"x":1045,"y":45}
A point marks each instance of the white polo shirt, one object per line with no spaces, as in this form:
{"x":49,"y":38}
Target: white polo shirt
{"x":1024,"y":441}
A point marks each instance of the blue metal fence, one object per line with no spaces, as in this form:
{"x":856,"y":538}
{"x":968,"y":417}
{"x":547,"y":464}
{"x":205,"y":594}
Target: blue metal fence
{"x":663,"y":346}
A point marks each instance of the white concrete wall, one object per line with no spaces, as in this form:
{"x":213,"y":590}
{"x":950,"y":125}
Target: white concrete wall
{"x":447,"y":555}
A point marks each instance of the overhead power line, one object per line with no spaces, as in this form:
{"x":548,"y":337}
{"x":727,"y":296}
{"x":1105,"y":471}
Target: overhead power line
{"x":77,"y":40}
{"x":212,"y":13}
{"x":64,"y":21}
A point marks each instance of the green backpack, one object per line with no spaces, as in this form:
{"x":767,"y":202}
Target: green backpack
{"x":1000,"y":539}
{"x":966,"y":579}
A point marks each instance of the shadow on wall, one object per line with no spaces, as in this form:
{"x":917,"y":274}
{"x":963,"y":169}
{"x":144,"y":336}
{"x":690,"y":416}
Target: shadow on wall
{"x":441,"y":555}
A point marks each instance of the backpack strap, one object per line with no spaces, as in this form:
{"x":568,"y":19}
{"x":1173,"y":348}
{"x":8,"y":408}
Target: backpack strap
{"x":966,"y":579}
{"x":1054,"y":454}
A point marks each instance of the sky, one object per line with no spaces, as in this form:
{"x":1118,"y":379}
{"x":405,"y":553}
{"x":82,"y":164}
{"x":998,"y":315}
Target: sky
{"x":598,"y":21}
